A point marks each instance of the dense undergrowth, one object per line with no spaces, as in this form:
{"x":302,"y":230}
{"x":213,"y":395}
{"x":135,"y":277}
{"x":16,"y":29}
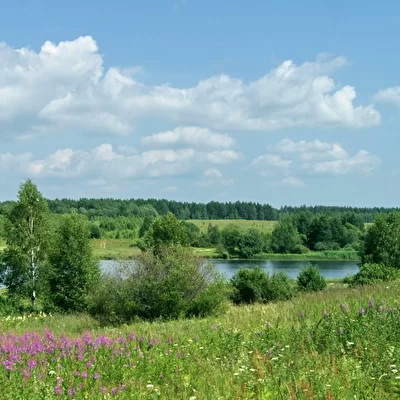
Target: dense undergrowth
{"x":336,"y":344}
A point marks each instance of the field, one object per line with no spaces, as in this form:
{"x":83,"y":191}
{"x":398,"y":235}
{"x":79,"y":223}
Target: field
{"x":243,"y":224}
{"x":339,"y":344}
{"x":113,"y":249}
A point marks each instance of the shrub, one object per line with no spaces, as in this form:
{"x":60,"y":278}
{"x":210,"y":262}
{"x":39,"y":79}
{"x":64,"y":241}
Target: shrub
{"x":279,"y":287}
{"x":254,"y":285}
{"x":169,"y":285}
{"x":248,"y":285}
{"x":310,"y":279}
{"x":370,"y":274}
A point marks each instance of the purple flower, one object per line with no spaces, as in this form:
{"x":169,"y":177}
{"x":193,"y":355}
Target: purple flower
{"x":96,"y":375}
{"x":362,"y":311}
{"x":71,"y":391}
{"x":114,"y":391}
{"x":344,"y":308}
{"x":58,"y":390}
{"x":103,"y":389}
{"x":371,"y":303}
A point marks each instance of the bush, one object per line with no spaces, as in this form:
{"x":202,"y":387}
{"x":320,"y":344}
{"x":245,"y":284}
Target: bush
{"x":248,"y":285}
{"x":300,"y":249}
{"x":169,"y":285}
{"x":254,"y":285}
{"x":279,"y":287}
{"x":310,"y":279}
{"x":370,"y":274}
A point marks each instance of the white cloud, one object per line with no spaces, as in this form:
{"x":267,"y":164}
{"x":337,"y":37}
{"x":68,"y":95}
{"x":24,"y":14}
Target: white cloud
{"x":292,"y":181}
{"x":315,"y":157}
{"x":214,"y":177}
{"x":272,"y":160}
{"x":65,"y":87}
{"x":390,"y":95}
{"x":106,"y":164}
{"x":194,"y":137}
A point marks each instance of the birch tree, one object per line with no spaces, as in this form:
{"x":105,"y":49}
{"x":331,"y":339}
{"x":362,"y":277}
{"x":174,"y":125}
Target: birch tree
{"x":27,"y":237}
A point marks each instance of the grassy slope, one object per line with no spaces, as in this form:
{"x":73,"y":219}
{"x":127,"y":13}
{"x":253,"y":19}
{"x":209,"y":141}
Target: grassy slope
{"x":251,"y":352}
{"x":243,"y":224}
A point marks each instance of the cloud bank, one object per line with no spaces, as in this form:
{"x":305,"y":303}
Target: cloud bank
{"x":65,"y":87}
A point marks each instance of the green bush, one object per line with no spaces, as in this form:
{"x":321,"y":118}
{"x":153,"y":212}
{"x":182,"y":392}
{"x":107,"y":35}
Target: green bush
{"x":169,"y":285}
{"x":370,"y":274}
{"x":310,"y":279}
{"x":248,"y":285}
{"x":254,"y":285}
{"x":279,"y":287}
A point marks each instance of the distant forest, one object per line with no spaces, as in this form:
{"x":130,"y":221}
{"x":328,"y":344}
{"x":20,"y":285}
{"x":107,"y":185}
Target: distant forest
{"x":94,"y":208}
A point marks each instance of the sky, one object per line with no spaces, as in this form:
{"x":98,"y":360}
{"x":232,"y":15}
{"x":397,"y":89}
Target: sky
{"x":278,"y":102}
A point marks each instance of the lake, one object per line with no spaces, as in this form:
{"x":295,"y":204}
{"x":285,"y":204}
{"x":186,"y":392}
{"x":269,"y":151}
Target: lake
{"x":329,"y":269}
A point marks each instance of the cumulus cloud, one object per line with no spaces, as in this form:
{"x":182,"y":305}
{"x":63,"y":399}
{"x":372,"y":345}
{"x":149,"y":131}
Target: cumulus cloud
{"x":105,"y":163}
{"x":214,"y":177}
{"x":292,"y":181}
{"x":194,"y":137}
{"x":390,"y":95}
{"x":313,"y":157}
{"x":65,"y":86}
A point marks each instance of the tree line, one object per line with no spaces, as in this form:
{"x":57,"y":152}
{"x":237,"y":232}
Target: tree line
{"x":53,"y":265}
{"x":142,"y":208}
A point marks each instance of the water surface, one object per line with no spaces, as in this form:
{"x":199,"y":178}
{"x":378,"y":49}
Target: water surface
{"x":329,"y":269}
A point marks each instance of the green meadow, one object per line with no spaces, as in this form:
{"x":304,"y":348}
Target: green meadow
{"x":341,"y":343}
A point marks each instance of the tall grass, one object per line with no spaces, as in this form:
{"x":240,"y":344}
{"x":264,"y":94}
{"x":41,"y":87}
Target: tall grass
{"x":336,"y":344}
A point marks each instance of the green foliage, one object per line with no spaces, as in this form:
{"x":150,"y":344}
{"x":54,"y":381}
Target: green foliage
{"x":95,"y":231}
{"x":73,"y":268}
{"x":230,"y":238}
{"x":248,"y":285}
{"x":382,"y":242}
{"x":170,"y":284}
{"x":165,"y":231}
{"x":279,"y":287}
{"x":254,"y":285}
{"x":285,"y":237}
{"x":250,"y":243}
{"x":310,"y":279}
{"x":23,"y":263}
{"x":371,"y":273}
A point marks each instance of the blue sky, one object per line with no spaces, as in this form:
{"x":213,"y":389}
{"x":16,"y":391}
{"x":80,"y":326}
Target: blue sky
{"x":281,"y":102}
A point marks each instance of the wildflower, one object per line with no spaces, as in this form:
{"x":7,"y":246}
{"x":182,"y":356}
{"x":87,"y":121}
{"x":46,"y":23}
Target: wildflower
{"x":96,"y":375}
{"x":71,"y":391}
{"x":103,"y":389}
{"x":58,"y":390}
{"x":362,"y":311}
{"x":371,"y":303}
{"x":344,"y":307}
{"x":324,"y":313}
{"x":114,"y":391}
{"x":150,"y":386}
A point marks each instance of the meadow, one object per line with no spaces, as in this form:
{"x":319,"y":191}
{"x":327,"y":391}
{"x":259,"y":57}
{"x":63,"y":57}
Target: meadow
{"x":242,"y":224}
{"x":338,"y":344}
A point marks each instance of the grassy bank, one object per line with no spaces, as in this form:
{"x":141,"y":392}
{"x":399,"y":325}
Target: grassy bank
{"x":112,"y":249}
{"x":337,"y":344}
